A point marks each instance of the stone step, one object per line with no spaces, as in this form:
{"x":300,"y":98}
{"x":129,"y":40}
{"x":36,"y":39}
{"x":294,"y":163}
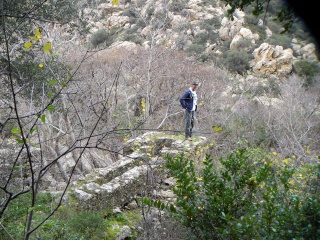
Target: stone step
{"x":117,"y":184}
{"x":104,"y":175}
{"x":117,"y":192}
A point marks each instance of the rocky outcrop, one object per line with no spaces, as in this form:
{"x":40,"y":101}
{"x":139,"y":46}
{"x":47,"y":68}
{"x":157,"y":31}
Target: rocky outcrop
{"x":230,"y":28}
{"x":308,"y":52}
{"x":304,"y":51}
{"x":244,"y":33}
{"x":269,"y":59}
{"x":124,"y":180}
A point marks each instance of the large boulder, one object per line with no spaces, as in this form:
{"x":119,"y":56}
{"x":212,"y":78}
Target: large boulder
{"x":269,"y":59}
{"x":244,"y":33}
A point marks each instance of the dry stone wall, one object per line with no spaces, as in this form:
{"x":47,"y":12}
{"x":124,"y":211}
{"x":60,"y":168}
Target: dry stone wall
{"x":126,"y":179}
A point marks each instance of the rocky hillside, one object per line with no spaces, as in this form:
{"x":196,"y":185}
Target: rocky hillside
{"x":202,"y":29}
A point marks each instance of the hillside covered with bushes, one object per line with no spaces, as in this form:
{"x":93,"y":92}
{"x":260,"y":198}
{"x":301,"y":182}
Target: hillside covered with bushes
{"x":90,"y":96}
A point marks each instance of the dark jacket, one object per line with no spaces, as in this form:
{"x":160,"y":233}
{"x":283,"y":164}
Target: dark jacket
{"x":186,"y":100}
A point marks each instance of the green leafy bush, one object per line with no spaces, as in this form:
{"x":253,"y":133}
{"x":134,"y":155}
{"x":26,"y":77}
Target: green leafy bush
{"x":129,"y":12}
{"x":280,"y":39}
{"x":274,"y":27}
{"x":211,"y":24}
{"x":237,"y":61}
{"x":307,"y":69}
{"x":249,"y":194}
{"x":195,"y":49}
{"x":178,"y":5}
{"x":15,"y":216}
{"x":252,"y":24}
{"x":140,"y":23}
{"x":245,"y":45}
{"x":131,"y":35}
{"x":101,"y":36}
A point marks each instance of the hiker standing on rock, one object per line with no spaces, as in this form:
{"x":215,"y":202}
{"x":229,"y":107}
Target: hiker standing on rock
{"x":189,"y":102}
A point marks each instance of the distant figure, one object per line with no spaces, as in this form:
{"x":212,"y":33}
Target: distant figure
{"x":189,"y":102}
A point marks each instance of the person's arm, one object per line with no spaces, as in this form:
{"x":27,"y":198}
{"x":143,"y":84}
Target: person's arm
{"x":183,"y":98}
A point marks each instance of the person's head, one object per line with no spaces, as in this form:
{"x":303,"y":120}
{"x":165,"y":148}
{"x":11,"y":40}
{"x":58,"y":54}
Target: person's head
{"x":194,"y":86}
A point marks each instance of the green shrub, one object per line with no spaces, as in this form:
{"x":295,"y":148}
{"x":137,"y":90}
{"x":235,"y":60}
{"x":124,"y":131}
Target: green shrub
{"x":131,"y":35}
{"x":129,"y":12}
{"x":88,"y":225}
{"x":211,"y":24}
{"x":196,"y":49}
{"x":307,"y":69}
{"x":245,"y":45}
{"x":181,"y":42}
{"x":237,"y":61}
{"x":184,"y":13}
{"x":274,"y":27}
{"x":201,"y":38}
{"x":132,"y":38}
{"x":248,"y":194}
{"x":178,"y":5}
{"x":101,"y":36}
{"x":301,"y":32}
{"x":14,"y":218}
{"x":281,"y":40}
{"x":213,"y":3}
{"x":274,"y":87}
{"x":251,"y":19}
{"x":260,"y":30}
{"x":140,"y":23}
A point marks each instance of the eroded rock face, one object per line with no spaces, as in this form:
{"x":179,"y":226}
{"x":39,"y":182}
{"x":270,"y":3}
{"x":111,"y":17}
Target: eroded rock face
{"x":269,"y":59}
{"x":231,"y":28}
{"x":119,"y":183}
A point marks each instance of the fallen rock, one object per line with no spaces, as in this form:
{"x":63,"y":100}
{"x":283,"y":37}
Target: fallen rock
{"x":125,"y":233}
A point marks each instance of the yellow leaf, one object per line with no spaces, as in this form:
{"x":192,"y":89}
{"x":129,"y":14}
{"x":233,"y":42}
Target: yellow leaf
{"x":27,"y":45}
{"x":291,"y":181}
{"x":262,"y":185}
{"x":216,"y":129}
{"x":286,"y":161}
{"x":115,"y":2}
{"x":274,"y":153}
{"x":40,"y":65}
{"x":47,"y":47}
{"x":307,"y":151}
{"x":38,"y":33}
{"x":34,"y":38}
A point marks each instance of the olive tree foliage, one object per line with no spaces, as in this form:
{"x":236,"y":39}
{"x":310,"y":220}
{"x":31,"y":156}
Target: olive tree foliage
{"x":47,"y":118}
{"x":284,"y":15}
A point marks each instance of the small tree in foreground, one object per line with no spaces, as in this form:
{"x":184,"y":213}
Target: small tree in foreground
{"x":247,"y":195}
